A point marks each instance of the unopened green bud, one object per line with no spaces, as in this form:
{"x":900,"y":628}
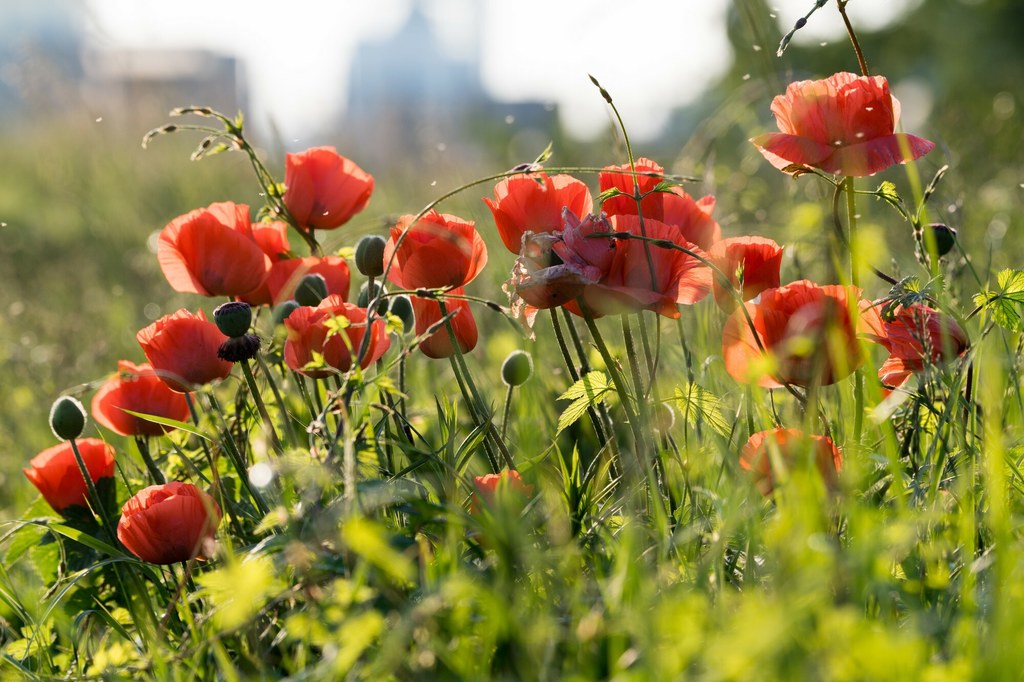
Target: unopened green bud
{"x":233,"y":318}
{"x":370,"y":255}
{"x":283,"y":310}
{"x":945,"y":238}
{"x":67,"y":418}
{"x":365,"y":296}
{"x":311,"y":290}
{"x":517,"y":368}
{"x":401,"y":307}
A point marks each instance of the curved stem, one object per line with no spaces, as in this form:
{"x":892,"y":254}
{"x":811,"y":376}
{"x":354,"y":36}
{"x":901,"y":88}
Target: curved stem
{"x":841,"y":4}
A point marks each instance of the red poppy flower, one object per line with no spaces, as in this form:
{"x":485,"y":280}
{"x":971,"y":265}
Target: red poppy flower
{"x":211,"y":251}
{"x":534,"y":203}
{"x":843,"y":125}
{"x":324,"y":189}
{"x":438,"y":344}
{"x":807,"y":329}
{"x":492,"y":487}
{"x":139,"y":389}
{"x":272,"y":238}
{"x":672,"y":206}
{"x":756,"y":259}
{"x":168,"y":523}
{"x":55,"y":473}
{"x":644,"y":276}
{"x":440,"y":250}
{"x":285,"y":276}
{"x":335,"y":330}
{"x":791,"y":443}
{"x":182,"y":348}
{"x":918,"y":334}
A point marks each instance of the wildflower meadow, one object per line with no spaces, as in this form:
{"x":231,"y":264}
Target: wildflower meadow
{"x":585,"y":429}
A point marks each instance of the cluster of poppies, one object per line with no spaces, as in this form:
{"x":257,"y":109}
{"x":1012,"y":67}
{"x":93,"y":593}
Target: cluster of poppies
{"x":649,"y":246}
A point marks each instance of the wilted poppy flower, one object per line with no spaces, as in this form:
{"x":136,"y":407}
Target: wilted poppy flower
{"x":139,"y":389}
{"x":438,"y":344}
{"x":534,"y":203}
{"x":492,"y":487}
{"x":285,"y":276}
{"x":554,"y":268}
{"x":335,"y":330}
{"x":843,"y":125}
{"x":809,"y":331}
{"x":55,"y":473}
{"x":182,"y":348}
{"x":673,"y":206}
{"x":168,"y":523}
{"x":440,"y":250}
{"x":755,"y":260}
{"x":211,"y":251}
{"x":324,"y":189}
{"x":918,"y":334}
{"x":791,"y":443}
{"x":645,"y":276}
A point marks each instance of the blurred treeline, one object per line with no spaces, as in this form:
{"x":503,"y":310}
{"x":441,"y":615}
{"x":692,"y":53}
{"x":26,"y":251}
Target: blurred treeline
{"x":80,"y":199}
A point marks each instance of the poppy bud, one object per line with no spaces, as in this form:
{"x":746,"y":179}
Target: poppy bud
{"x":283,"y":310}
{"x":311,"y":290}
{"x":401,"y":307}
{"x":67,"y":418}
{"x":517,"y":368}
{"x":233,"y":318}
{"x":55,"y":473}
{"x":370,"y":255}
{"x":365,"y":296}
{"x":945,"y":238}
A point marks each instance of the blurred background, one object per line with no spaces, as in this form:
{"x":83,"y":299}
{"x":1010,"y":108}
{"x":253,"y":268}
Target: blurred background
{"x":427,"y":95}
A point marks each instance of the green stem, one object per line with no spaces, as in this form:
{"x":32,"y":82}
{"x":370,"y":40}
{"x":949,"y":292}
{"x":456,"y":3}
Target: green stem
{"x":286,"y":420}
{"x":841,"y":4}
{"x":147,"y":458}
{"x":94,"y":495}
{"x":236,"y":458}
{"x":505,"y":413}
{"x":858,"y":377}
{"x":268,"y":423}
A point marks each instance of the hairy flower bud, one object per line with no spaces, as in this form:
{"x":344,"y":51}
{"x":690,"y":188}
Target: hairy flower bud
{"x":67,"y":418}
{"x":517,"y":368}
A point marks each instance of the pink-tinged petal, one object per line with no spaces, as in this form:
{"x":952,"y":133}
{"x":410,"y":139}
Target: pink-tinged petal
{"x":781,"y":149}
{"x":868,"y":158}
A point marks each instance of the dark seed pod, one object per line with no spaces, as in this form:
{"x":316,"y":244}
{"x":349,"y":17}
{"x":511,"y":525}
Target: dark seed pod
{"x":311,"y":290}
{"x":233,"y":318}
{"x":370,"y":255}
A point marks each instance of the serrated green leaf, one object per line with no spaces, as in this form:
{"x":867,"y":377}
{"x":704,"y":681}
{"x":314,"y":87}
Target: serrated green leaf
{"x":698,"y":405}
{"x":590,"y":390}
{"x":1004,"y":304}
{"x":887,"y":191}
{"x":609,"y":193}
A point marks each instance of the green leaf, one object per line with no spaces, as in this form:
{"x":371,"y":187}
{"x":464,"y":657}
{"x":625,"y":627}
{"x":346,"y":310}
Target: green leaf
{"x":1004,"y":304}
{"x":234,"y":606}
{"x":698,"y":405}
{"x":173,"y":423}
{"x":87,"y":540}
{"x":587,"y":392}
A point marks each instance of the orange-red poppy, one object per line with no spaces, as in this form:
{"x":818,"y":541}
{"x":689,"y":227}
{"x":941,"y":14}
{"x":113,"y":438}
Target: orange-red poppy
{"x":917,"y":335}
{"x":182,"y":348}
{"x":493,"y":487}
{"x":139,"y":389}
{"x":756,"y":261}
{"x":335,"y":330}
{"x":211,"y":251}
{"x":285,"y":276}
{"x":534,"y":203}
{"x":438,"y":344}
{"x":844,"y":124}
{"x":645,"y":276}
{"x":672,"y":206}
{"x":168,"y":523}
{"x":272,"y":238}
{"x":792,"y":444}
{"x":55,"y":473}
{"x":809,"y":331}
{"x":439,"y":250}
{"x":324,"y":189}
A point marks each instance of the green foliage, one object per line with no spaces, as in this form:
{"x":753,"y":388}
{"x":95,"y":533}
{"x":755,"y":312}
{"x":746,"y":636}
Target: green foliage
{"x":1004,"y":303}
{"x":589,"y":391}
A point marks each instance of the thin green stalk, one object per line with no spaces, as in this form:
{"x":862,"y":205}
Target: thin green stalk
{"x":858,"y":376}
{"x":285,"y":419}
{"x":268,"y":423}
{"x":505,"y":413}
{"x":574,"y":375}
{"x":237,"y":459}
{"x":154,"y":471}
{"x":94,"y":495}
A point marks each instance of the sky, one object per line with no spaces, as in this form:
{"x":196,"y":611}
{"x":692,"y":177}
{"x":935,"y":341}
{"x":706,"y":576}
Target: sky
{"x":652,"y":56}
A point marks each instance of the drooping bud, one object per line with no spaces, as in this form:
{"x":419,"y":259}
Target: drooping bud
{"x":401,"y":307}
{"x":365,"y":296}
{"x":945,"y":238}
{"x":67,"y":418}
{"x":517,"y":368}
{"x":311,"y":290}
{"x":233,"y":318}
{"x":370,"y":255}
